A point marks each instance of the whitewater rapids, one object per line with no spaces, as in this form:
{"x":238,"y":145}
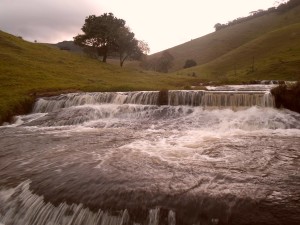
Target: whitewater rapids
{"x":103,"y":162}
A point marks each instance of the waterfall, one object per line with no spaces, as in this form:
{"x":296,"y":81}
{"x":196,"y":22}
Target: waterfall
{"x":231,"y":99}
{"x":192,"y":98}
{"x":51,"y":104}
{"x":20,"y":206}
{"x":221,"y":98}
{"x":237,"y":99}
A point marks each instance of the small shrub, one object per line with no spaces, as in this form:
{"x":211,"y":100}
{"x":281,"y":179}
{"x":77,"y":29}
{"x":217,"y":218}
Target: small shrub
{"x":189,"y":63}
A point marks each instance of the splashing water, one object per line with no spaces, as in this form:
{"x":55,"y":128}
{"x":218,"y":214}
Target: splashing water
{"x":118,"y":158}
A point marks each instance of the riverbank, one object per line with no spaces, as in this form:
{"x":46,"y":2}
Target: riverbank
{"x":287,"y":96}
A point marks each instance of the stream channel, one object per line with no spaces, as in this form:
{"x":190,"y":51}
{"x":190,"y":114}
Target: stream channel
{"x":222,"y":156}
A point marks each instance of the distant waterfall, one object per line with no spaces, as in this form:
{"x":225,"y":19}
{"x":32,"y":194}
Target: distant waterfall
{"x":231,"y":99}
{"x":221,"y":98}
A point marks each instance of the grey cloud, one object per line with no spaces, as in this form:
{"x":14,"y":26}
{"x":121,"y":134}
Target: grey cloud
{"x":45,"y":20}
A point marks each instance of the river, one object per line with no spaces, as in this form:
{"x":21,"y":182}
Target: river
{"x":207,"y":157}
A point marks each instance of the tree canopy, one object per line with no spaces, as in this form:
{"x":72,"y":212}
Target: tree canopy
{"x":128,"y":46}
{"x":108,"y":34}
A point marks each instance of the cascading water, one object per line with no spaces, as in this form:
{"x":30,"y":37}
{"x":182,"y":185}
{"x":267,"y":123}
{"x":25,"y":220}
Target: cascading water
{"x":221,"y":98}
{"x":75,"y":99}
{"x":207,"y":157}
{"x":231,"y":99}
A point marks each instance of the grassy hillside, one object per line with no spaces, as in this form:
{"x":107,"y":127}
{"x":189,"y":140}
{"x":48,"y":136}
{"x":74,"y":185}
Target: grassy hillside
{"x":30,"y":69}
{"x":69,"y":46}
{"x":274,"y":55}
{"x":234,"y":40}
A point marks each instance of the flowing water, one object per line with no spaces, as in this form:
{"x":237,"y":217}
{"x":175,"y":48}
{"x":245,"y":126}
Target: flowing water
{"x":207,"y":157}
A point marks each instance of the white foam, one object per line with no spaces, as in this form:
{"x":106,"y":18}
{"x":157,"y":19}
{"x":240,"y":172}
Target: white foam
{"x":249,"y":87}
{"x":204,"y":130}
{"x":19,"y":120}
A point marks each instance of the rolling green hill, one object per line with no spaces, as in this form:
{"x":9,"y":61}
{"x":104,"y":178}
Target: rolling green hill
{"x":272,"y":41}
{"x":264,"y":58}
{"x":29,"y":69}
{"x":69,"y":46}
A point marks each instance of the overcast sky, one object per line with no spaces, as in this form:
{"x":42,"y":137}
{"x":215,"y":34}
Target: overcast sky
{"x":161,"y":23}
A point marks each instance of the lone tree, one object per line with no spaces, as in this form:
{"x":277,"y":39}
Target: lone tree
{"x":108,"y":34}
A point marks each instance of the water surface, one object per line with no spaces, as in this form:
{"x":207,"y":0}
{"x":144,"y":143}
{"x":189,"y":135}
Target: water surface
{"x":75,"y":161}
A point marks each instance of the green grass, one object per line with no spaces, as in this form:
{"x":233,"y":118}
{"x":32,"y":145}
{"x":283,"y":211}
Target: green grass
{"x":30,"y":69}
{"x":226,"y":55}
{"x":274,"y":55}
